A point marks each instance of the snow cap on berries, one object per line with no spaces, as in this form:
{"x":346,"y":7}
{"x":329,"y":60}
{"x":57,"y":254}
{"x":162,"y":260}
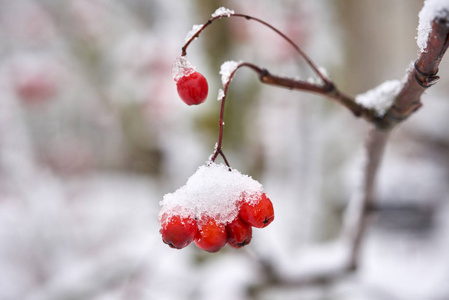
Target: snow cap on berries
{"x":213,"y":190}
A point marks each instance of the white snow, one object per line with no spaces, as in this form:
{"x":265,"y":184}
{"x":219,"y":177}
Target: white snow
{"x":193,"y":31}
{"x":432,"y":9}
{"x":323,"y":71}
{"x":381,"y":97}
{"x":222,"y":12}
{"x":213,"y":190}
{"x":226,"y":69}
{"x":221,"y":95}
{"x":182,"y":67}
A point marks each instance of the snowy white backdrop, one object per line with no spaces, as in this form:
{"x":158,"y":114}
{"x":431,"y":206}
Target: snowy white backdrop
{"x":92,"y":135}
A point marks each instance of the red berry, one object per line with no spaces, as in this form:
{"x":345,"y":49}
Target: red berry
{"x":177,"y":231}
{"x":192,"y":88}
{"x":239,"y":233}
{"x":211,"y":236}
{"x":258,"y":213}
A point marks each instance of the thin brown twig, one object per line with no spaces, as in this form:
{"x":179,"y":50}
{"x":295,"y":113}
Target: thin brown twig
{"x":328,"y":90}
{"x":309,"y":62}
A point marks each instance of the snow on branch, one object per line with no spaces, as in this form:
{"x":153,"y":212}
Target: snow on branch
{"x":380,"y":98}
{"x":226,"y":69}
{"x":431,"y":10}
{"x":222,"y":12}
{"x":193,"y":31}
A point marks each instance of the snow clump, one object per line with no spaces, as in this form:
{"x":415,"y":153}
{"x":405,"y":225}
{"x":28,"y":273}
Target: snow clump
{"x":226,"y":69}
{"x":213,"y":190}
{"x":193,"y":31}
{"x":380,"y":98}
{"x":432,"y":9}
{"x":223,"y":12}
{"x":221,"y":95}
{"x":182,"y":67}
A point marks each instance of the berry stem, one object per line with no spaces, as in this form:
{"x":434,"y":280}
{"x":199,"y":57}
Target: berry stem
{"x":218,"y":149}
{"x":265,"y":76}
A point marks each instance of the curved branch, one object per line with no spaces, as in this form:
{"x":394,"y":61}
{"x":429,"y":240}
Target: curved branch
{"x":309,"y":62}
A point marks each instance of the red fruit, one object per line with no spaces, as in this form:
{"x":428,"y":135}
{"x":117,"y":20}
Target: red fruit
{"x":258,"y":213}
{"x":239,"y":233}
{"x":211,"y":236}
{"x":192,"y":88}
{"x":177,"y":231}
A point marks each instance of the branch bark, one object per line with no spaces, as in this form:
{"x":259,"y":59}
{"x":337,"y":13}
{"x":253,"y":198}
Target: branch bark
{"x":421,"y":77}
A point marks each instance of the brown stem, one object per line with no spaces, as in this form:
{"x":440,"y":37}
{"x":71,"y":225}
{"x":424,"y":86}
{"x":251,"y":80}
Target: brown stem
{"x":218,"y":149}
{"x":328,"y":90}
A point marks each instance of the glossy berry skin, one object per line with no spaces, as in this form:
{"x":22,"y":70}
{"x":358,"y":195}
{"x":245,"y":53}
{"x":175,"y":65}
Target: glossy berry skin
{"x":259,"y":213}
{"x":193,"y":88}
{"x":239,"y":233}
{"x":211,"y":236}
{"x":178,"y":232}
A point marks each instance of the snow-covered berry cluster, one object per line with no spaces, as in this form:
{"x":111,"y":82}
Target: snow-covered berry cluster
{"x":217,"y":206}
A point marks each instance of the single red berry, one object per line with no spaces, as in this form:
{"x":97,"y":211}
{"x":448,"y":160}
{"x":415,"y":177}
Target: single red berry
{"x":211,"y":236}
{"x":239,"y":233}
{"x":192,"y":88}
{"x":258,"y":213}
{"x":177,"y":231}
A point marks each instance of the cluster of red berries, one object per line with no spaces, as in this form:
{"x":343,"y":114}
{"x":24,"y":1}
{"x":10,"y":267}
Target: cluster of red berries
{"x":209,"y":234}
{"x":192,"y":88}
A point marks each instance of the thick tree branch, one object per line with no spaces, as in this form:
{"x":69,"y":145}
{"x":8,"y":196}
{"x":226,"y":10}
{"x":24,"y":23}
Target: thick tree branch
{"x":422,"y":76}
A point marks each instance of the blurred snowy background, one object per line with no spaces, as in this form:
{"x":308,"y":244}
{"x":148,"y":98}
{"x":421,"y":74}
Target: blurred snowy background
{"x":93,"y":134}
